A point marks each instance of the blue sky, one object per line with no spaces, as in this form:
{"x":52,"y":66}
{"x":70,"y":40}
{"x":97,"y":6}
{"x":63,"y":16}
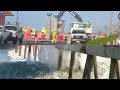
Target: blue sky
{"x":38,"y":19}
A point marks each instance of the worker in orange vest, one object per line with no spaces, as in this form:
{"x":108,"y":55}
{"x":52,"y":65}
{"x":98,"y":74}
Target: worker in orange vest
{"x":39,"y":35}
{"x":28,"y":29}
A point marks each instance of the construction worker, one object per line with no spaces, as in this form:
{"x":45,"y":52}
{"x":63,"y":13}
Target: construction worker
{"x":24,"y":30}
{"x":43,"y":30}
{"x":39,"y":35}
{"x":33,"y":33}
{"x":28,"y":29}
{"x":33,"y":30}
{"x":28,"y":32}
{"x":51,"y":32}
{"x":54,"y":37}
{"x":21,"y":29}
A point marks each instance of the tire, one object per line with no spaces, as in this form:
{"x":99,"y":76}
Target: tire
{"x":0,"y":40}
{"x":15,"y":42}
{"x":6,"y":42}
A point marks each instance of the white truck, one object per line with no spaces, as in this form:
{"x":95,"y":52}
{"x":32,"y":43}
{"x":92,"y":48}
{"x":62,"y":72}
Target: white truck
{"x":80,"y":32}
{"x":15,"y":33}
{"x":3,"y":35}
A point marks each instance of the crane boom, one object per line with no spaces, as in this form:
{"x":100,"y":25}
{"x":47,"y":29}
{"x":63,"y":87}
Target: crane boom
{"x":73,"y":13}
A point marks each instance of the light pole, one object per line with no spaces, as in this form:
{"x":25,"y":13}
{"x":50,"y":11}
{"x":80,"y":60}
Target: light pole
{"x":111,"y":31}
{"x":119,"y":24}
{"x":49,"y":25}
{"x":17,"y":17}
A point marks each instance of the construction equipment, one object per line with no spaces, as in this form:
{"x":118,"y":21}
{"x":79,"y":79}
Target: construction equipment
{"x":80,"y":31}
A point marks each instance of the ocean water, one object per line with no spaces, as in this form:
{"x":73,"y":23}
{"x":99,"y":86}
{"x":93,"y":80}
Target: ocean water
{"x":48,"y":55}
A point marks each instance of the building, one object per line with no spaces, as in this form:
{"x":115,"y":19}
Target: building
{"x":3,"y":14}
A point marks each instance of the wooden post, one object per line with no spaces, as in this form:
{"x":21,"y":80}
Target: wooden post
{"x":88,"y":67}
{"x":95,"y":68}
{"x":35,"y":52}
{"x":33,"y":49}
{"x":60,"y":59}
{"x":29,"y":51}
{"x":118,"y":70}
{"x":25,"y":51}
{"x":20,"y":50}
{"x":69,"y":39}
{"x":72,"y":62}
{"x":114,"y":43}
{"x":55,"y":24}
{"x":16,"y":49}
{"x":113,"y":67}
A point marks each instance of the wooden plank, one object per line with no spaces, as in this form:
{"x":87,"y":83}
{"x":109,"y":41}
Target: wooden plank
{"x":88,"y":67}
{"x":72,"y":62}
{"x":113,"y":67}
{"x":60,"y":59}
{"x":20,"y":50}
{"x":25,"y":51}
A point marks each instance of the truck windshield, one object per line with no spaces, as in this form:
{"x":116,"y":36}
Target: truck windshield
{"x":11,"y":28}
{"x":78,"y":32}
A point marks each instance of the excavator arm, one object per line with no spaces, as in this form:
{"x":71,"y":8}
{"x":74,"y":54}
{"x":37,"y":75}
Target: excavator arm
{"x":73,"y":13}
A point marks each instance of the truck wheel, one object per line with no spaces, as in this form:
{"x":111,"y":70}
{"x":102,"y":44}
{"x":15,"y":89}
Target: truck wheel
{"x":0,"y":40}
{"x":15,"y":42}
{"x":6,"y":42}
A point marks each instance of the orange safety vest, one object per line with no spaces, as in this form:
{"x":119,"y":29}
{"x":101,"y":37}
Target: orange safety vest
{"x":39,"y":35}
{"x":62,"y":37}
{"x":44,"y":36}
{"x":28,"y":30}
{"x":57,"y":37}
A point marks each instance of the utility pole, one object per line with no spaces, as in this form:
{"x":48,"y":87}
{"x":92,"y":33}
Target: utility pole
{"x":111,"y":31}
{"x":119,"y":24}
{"x":17,"y":18}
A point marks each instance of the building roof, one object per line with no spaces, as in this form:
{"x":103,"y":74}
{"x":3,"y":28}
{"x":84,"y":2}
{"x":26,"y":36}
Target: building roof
{"x":7,"y":13}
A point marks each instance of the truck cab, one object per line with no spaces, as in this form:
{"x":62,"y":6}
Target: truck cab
{"x":15,"y":33}
{"x":80,"y":32}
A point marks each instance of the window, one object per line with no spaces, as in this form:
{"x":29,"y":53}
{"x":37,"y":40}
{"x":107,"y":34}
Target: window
{"x":83,"y":26}
{"x":11,"y":28}
{"x":78,"y":32}
{"x":88,"y":25}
